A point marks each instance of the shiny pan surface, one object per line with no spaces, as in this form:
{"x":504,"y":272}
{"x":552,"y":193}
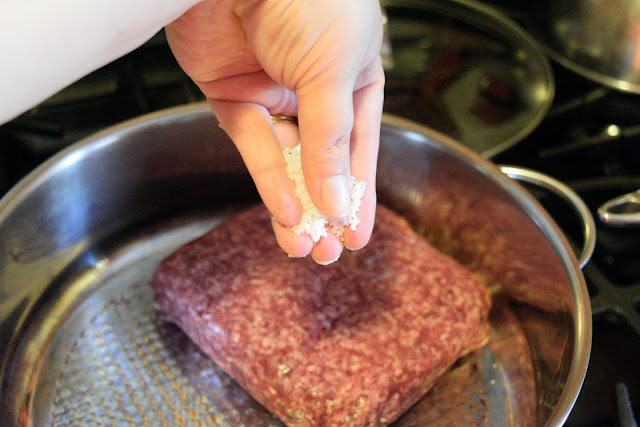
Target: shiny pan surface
{"x":81,"y":236}
{"x":467,"y":70}
{"x":596,"y":39}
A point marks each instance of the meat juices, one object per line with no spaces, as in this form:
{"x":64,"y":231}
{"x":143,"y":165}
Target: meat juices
{"x":353,"y":343}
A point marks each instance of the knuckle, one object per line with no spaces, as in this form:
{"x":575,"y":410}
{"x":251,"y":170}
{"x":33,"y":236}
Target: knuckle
{"x":333,"y":157}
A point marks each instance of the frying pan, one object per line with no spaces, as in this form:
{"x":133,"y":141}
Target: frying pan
{"x":82,"y":234}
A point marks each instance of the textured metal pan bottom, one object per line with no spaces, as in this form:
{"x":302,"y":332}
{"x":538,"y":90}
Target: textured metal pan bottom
{"x":104,"y":358}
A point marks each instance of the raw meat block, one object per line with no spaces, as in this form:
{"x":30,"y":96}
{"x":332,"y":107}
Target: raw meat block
{"x":353,"y":343}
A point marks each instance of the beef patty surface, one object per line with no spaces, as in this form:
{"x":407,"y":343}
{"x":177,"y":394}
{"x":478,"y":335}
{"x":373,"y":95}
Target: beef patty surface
{"x":356,"y":342}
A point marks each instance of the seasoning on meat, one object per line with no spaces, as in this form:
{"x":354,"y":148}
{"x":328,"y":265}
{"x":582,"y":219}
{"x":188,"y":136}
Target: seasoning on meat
{"x":354,"y":343}
{"x":314,"y":222}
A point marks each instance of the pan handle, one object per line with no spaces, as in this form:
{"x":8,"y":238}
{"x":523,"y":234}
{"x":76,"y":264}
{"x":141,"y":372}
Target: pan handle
{"x":558,"y":188}
{"x":621,"y":211}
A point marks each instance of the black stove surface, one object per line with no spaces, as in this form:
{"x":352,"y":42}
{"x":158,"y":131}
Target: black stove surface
{"x":590,"y":140}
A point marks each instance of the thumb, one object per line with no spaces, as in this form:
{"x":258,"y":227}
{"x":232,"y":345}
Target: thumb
{"x":325,"y":119}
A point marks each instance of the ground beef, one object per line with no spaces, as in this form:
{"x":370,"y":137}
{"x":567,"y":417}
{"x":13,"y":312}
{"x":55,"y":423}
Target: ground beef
{"x":482,"y":227}
{"x":353,"y":343}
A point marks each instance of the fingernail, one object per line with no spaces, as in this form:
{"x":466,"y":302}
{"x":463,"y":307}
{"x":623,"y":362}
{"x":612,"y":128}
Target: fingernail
{"x":275,"y":221}
{"x":336,"y":195}
{"x":331,"y":261}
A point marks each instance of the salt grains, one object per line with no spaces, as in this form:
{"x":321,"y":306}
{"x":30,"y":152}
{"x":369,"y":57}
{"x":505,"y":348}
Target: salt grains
{"x":314,"y":222}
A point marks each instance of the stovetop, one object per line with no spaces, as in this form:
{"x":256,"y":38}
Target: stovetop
{"x":590,"y":140}
{"x":586,"y":145}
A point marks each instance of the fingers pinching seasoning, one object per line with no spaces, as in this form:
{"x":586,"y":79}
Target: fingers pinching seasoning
{"x":286,"y":67}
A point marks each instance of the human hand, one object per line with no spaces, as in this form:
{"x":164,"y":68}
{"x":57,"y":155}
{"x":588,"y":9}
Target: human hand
{"x":318,"y":60}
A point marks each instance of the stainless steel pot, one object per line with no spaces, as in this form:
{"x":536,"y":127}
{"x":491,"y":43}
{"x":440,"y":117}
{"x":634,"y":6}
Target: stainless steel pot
{"x":598,"y":39}
{"x":81,"y":235}
{"x":466,"y":70}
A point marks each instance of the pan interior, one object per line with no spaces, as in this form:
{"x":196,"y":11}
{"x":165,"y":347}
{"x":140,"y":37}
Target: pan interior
{"x":112,"y":360}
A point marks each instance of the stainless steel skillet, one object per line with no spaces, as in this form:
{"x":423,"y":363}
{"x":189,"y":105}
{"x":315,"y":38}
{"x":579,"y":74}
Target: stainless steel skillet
{"x":80,"y":237}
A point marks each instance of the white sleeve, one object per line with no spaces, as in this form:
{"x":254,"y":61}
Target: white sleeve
{"x":46,"y":45}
